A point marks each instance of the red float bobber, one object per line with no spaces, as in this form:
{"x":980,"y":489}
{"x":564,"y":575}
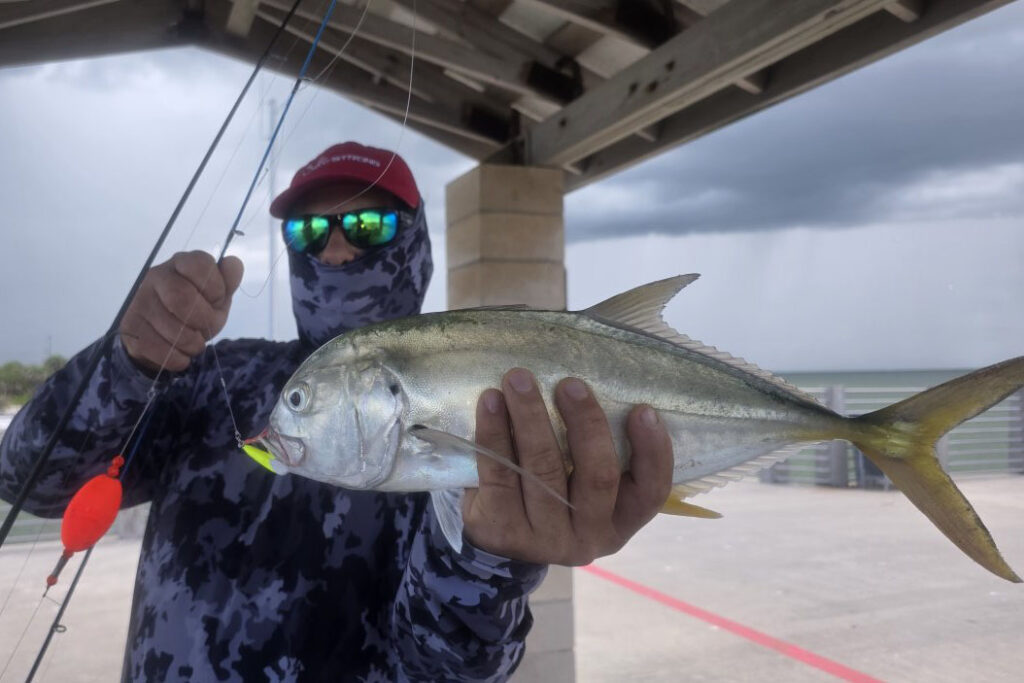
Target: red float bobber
{"x":89,"y":515}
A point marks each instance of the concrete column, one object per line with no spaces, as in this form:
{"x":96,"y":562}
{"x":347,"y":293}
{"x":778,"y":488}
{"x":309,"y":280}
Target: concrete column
{"x":506,"y":240}
{"x":506,"y":245}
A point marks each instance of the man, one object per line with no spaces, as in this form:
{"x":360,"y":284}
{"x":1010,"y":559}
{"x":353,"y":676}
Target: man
{"x":245,"y":576}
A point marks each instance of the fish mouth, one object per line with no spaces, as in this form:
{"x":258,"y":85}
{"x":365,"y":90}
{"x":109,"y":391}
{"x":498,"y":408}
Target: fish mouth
{"x":275,"y":451}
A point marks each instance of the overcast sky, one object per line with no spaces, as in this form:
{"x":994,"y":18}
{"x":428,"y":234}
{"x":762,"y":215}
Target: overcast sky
{"x":875,"y":222}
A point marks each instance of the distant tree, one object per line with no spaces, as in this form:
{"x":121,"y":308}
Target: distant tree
{"x":19,"y":381}
{"x":53,"y":364}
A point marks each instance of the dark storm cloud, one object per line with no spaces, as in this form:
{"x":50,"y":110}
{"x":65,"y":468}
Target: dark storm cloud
{"x":853,"y":151}
{"x":97,"y":152}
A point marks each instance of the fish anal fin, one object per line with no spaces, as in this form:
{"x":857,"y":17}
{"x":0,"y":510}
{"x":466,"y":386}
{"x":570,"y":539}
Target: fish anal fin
{"x":676,"y":505}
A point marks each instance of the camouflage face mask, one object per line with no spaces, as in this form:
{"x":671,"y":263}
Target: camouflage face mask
{"x":385,"y":283}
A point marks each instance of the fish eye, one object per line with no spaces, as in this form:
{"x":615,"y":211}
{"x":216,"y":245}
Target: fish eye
{"x":298,"y":397}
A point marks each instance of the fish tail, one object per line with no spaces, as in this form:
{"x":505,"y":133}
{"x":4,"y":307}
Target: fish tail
{"x":901,"y":439}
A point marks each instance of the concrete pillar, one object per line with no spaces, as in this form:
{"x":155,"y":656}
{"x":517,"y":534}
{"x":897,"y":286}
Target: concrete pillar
{"x":506,"y":245}
{"x":505,"y":238}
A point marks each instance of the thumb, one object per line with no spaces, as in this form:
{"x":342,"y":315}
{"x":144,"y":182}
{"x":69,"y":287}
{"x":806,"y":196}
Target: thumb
{"x":231,"y":269}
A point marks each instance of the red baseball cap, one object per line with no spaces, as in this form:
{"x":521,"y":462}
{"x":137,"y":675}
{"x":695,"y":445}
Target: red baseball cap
{"x":353,"y":162}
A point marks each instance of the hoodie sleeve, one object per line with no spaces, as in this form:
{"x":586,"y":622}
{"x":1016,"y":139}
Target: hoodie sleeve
{"x":98,"y":428}
{"x":460,"y":616}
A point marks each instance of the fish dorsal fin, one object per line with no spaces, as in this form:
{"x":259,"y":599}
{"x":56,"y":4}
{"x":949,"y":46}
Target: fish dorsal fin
{"x":640,"y":309}
{"x":641,"y":306}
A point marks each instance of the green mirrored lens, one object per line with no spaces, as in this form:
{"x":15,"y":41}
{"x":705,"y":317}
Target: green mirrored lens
{"x":370,"y":228}
{"x":388,"y":227}
{"x":306,"y":233}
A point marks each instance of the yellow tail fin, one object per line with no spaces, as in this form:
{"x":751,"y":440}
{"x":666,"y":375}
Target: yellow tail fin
{"x":901,"y":439}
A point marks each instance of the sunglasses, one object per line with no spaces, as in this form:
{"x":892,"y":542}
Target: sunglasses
{"x":365,"y":229}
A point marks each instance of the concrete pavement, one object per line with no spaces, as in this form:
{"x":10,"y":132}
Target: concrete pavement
{"x":860,"y":578}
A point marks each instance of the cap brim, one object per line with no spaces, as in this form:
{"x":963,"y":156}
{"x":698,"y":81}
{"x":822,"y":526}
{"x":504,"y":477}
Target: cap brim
{"x":284,"y":201}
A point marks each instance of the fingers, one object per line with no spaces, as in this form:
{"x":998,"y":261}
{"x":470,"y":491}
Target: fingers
{"x":493,"y":432}
{"x":231,"y":269}
{"x":515,"y":517}
{"x":148,"y":348}
{"x":182,"y":303}
{"x":594,"y":484}
{"x":201,"y":271}
{"x":645,"y":487}
{"x":174,"y":331}
{"x":494,"y":512}
{"x":538,"y":451}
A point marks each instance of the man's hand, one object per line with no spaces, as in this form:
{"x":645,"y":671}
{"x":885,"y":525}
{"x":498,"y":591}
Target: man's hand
{"x":518,"y":519}
{"x":182,"y":303}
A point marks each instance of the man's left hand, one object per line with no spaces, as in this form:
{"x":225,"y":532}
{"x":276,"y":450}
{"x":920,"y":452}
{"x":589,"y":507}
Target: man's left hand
{"x":518,"y":519}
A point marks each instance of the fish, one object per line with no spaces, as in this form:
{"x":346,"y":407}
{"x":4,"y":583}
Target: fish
{"x":391,"y":407}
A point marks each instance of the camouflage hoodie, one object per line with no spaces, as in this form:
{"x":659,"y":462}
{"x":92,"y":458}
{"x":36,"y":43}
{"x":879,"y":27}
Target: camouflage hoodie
{"x":246,"y":576}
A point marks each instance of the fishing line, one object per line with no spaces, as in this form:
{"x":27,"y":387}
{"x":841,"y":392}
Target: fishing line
{"x":102,"y":348}
{"x":42,"y":527}
{"x":326,"y":71}
{"x":145,"y":413}
{"x":227,"y":396}
{"x":401,"y":135}
{"x":216,"y":188}
{"x":152,"y":393}
{"x":233,"y":231}
{"x":17,"y":645}
{"x":266,"y":86}
{"x":56,"y":627}
{"x":89,"y":434}
{"x":130,"y":453}
{"x":107,"y":339}
{"x":277,"y":129}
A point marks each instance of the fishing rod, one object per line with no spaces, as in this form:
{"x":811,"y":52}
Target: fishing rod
{"x":137,"y":433}
{"x":104,"y":346}
{"x":112,"y":494}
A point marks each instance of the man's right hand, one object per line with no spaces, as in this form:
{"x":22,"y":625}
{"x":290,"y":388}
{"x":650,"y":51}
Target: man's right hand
{"x":182,"y":303}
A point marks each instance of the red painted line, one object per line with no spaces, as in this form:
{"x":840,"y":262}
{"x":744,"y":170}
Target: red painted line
{"x":788,"y":649}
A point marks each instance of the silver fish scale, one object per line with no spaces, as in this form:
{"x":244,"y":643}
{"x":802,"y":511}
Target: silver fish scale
{"x":718,"y":415}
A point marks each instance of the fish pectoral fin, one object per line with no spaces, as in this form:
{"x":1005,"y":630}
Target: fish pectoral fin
{"x":441,"y":439}
{"x":676,"y":505}
{"x":448,"y":511}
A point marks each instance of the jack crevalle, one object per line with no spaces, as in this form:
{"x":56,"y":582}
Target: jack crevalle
{"x":391,"y":407}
